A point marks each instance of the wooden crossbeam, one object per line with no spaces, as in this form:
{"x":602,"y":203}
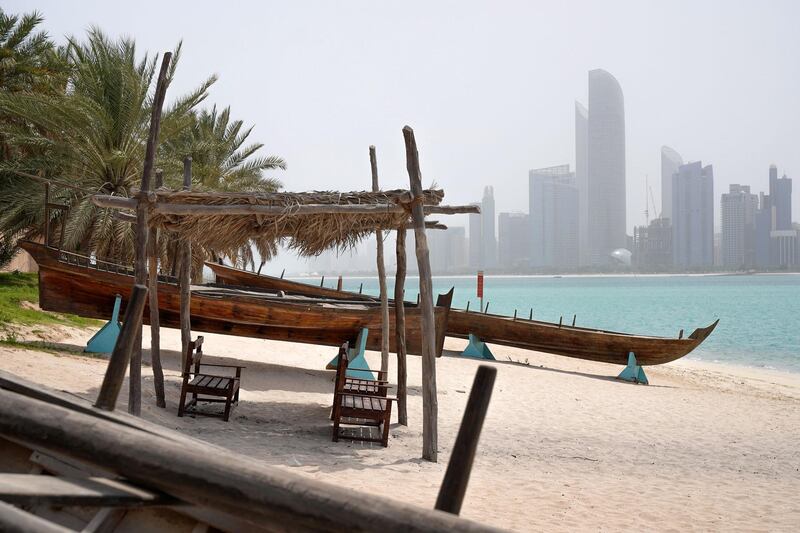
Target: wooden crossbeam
{"x":28,"y":489}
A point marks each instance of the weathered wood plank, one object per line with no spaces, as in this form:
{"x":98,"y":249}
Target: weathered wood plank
{"x":430,"y":406}
{"x":15,"y":520}
{"x":26,"y":489}
{"x":185,"y":272}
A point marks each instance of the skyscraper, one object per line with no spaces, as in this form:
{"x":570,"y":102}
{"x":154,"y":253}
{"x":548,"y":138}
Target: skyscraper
{"x":606,"y":167}
{"x":554,"y":206}
{"x":670,"y":161}
{"x":582,"y":180}
{"x":488,"y":235}
{"x":780,"y":193}
{"x":513,"y":241}
{"x":693,"y":216}
{"x":738,"y":209}
{"x":475,"y":259}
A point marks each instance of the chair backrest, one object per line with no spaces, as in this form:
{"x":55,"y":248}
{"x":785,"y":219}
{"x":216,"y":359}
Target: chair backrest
{"x":193,"y":355}
{"x":341,"y":367}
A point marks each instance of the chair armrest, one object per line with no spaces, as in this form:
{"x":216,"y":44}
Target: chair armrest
{"x":223,"y":366}
{"x":218,"y":376}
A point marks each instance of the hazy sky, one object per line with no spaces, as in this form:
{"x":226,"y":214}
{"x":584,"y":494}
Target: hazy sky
{"x":489,"y":87}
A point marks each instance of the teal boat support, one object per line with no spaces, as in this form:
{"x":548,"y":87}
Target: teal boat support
{"x":477,"y":349}
{"x":104,"y":340}
{"x":357,"y":367}
{"x":633,"y":371}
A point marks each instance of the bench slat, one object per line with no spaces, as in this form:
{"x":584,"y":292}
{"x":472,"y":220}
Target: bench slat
{"x":28,"y":489}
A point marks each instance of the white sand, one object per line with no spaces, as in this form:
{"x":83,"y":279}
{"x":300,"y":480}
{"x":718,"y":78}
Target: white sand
{"x":565,"y":447}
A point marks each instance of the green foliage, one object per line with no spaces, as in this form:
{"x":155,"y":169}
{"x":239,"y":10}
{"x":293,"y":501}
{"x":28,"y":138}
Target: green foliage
{"x":82,"y":123}
{"x":16,"y":288}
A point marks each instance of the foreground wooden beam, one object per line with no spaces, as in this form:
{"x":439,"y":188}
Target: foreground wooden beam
{"x":430,"y":405}
{"x":197,"y":473}
{"x":400,"y":328}
{"x":454,"y":485}
{"x":373,"y":162}
{"x":142,"y":213}
{"x":131,"y":329}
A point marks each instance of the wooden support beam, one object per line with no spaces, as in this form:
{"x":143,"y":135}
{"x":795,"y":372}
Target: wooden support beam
{"x":115,"y":372}
{"x":142,"y":214}
{"x":185,"y":274}
{"x":46,"y":225}
{"x":400,"y":328}
{"x":430,"y":405}
{"x":454,"y":485}
{"x":155,"y":325}
{"x":118,"y":202}
{"x":373,"y":163}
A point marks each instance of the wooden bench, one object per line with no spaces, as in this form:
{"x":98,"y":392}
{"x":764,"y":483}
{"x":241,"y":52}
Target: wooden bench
{"x":220,"y":388}
{"x":353,"y":406}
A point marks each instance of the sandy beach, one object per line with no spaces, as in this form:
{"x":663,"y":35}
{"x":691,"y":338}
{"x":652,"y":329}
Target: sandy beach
{"x":565,"y":447}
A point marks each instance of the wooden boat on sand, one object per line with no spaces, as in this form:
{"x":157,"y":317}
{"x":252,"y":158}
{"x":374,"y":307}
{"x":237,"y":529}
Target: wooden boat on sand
{"x":571,"y":341}
{"x":71,"y":283}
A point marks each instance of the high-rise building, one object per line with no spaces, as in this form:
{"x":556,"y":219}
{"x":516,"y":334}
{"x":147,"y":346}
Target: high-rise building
{"x":780,"y":193}
{"x":693,"y":216}
{"x":554,"y":204}
{"x":488,"y":235}
{"x":606,"y":202}
{"x":670,"y":162}
{"x":763,"y":228}
{"x":447,"y":250}
{"x":513,"y":241}
{"x":475,"y":241}
{"x":738,"y":210}
{"x":652,"y":246}
{"x":582,"y":180}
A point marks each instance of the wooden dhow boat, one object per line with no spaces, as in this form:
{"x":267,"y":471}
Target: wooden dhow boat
{"x":571,"y":341}
{"x":76,"y":284}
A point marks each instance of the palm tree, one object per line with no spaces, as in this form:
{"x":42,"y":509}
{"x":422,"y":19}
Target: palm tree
{"x":93,"y":136}
{"x":222,"y":161}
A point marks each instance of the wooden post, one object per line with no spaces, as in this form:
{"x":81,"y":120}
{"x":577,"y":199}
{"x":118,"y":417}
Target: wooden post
{"x":322,"y":281}
{"x":339,"y":283}
{"x":373,"y":162}
{"x":115,"y":372}
{"x":454,"y":485}
{"x":430,"y":406}
{"x":400,"y":328}
{"x":155,"y":326}
{"x":142,"y":211}
{"x":185,"y":274}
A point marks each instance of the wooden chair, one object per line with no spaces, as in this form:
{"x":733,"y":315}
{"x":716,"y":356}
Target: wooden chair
{"x":359,"y":408}
{"x":220,"y":388}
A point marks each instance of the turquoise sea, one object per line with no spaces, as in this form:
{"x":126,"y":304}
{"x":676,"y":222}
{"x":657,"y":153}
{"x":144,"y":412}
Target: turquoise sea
{"x":759,"y":314}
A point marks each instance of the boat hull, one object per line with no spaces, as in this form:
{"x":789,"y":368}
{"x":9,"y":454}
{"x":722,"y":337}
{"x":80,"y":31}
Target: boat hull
{"x":86,"y":291}
{"x":569,"y":341}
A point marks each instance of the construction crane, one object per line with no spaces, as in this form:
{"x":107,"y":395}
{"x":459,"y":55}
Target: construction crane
{"x":648,"y":199}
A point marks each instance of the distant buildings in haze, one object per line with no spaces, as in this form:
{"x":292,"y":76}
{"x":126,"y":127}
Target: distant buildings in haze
{"x":553,"y":233}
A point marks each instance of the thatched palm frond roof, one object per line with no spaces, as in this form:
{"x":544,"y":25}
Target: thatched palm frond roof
{"x":308,"y":222}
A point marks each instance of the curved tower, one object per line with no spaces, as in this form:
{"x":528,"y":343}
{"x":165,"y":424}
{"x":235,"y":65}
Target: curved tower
{"x":670,"y":163}
{"x":606,"y":204}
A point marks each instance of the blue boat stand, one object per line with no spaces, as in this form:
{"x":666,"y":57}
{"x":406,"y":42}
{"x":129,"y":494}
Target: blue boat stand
{"x":477,"y":349}
{"x":357,"y":366}
{"x":104,"y":340}
{"x":633,"y":372}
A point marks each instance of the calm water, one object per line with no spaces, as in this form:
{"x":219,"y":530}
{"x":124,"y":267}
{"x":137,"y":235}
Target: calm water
{"x":759,"y":315}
